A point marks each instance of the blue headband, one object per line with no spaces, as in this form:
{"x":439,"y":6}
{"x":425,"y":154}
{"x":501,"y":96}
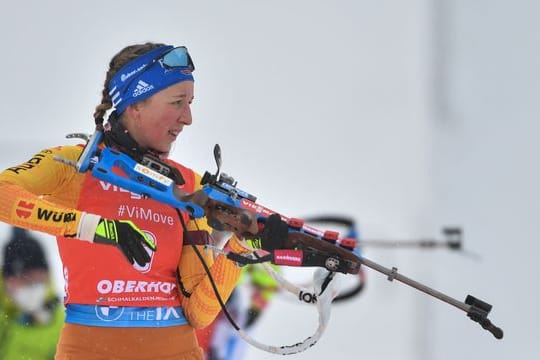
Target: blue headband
{"x":144,"y":76}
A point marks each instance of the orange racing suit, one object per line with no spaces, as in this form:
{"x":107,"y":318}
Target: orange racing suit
{"x":115,"y":309}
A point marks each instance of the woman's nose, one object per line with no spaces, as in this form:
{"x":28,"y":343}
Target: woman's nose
{"x":185,"y":116}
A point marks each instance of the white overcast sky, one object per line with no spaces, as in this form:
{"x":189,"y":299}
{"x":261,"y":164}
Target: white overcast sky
{"x":406,"y":115}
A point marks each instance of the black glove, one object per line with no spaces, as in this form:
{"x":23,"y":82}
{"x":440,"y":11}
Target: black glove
{"x":127,"y":237}
{"x":272,"y":236}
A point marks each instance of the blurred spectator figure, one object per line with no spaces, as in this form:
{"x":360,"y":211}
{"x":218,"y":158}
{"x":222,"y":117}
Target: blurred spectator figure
{"x":220,"y":341}
{"x":31,"y":314}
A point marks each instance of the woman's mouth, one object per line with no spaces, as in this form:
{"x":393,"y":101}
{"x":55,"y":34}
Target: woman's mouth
{"x":174,"y":133}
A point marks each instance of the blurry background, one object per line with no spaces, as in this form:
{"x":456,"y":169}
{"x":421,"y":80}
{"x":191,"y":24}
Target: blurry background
{"x":406,"y":115}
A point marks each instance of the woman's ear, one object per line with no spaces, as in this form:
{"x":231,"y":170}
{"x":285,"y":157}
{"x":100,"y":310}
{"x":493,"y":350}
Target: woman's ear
{"x":133,"y":111}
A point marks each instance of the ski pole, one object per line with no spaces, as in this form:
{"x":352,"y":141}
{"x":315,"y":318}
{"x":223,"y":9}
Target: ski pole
{"x":453,"y":236}
{"x":453,"y":240}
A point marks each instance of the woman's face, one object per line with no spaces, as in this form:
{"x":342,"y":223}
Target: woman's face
{"x":156,"y":122}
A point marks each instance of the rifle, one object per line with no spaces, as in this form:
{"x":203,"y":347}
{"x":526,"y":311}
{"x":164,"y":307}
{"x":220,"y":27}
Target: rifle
{"x":227,"y":208}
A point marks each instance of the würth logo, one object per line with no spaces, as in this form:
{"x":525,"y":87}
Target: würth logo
{"x":24,"y":209}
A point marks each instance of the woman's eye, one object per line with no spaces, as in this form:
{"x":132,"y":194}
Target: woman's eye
{"x":181,"y":102}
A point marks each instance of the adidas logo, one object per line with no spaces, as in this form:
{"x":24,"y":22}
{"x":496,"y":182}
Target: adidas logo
{"x":141,"y":88}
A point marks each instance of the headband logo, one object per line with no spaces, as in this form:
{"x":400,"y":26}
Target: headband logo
{"x":124,"y":77}
{"x":142,"y":87}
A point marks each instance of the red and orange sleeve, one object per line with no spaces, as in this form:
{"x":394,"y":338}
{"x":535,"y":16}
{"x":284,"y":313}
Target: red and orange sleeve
{"x":41,"y":193}
{"x":202,"y":306}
